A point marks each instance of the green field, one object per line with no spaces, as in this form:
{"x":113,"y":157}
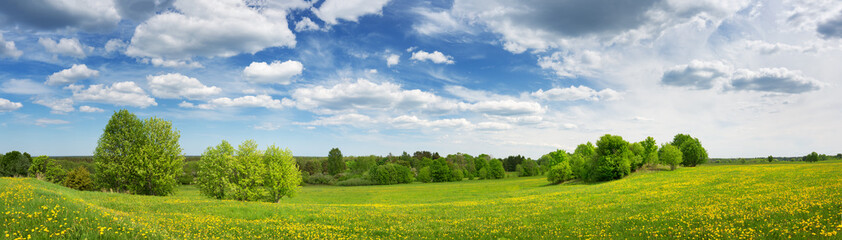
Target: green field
{"x":797,"y":200}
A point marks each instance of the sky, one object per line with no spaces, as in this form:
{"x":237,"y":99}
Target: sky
{"x":502,"y":77}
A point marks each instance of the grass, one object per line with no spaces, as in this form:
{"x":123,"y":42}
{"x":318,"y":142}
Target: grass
{"x":776,"y":201}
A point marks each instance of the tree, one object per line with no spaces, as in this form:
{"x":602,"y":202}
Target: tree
{"x":335,"y":163}
{"x":79,"y":179}
{"x":770,"y":158}
{"x":586,"y":150}
{"x":439,"y":171}
{"x":142,"y":157}
{"x":46,"y":168}
{"x":812,"y":157}
{"x":580,"y":166}
{"x":282,"y":175}
{"x":215,"y":170}
{"x":249,"y":172}
{"x":528,"y":168}
{"x":560,"y":172}
{"x":481,"y":162}
{"x":691,"y":148}
{"x":670,"y":155}
{"x":15,"y":163}
{"x":650,"y":151}
{"x":510,"y":163}
{"x":424,"y":175}
{"x":557,"y":157}
{"x":638,"y":154}
{"x":613,"y":158}
{"x":495,"y":169}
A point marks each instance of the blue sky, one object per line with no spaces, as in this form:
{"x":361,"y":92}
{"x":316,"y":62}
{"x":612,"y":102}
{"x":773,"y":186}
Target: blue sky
{"x":503,"y":77}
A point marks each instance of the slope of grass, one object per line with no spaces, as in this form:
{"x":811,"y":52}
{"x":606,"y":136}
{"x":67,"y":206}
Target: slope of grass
{"x":753,"y":201}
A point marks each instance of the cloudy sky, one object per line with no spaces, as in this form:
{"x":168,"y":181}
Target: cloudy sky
{"x":504,"y":77}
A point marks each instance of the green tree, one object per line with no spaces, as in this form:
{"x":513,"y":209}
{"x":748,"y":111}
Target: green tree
{"x":528,"y":168}
{"x":580,"y":166}
{"x":560,"y":172}
{"x":215,"y":170}
{"x":15,"y":163}
{"x":638,"y":154}
{"x":613,"y":158}
{"x":812,"y":157}
{"x":770,"y":158}
{"x":510,"y":163}
{"x":335,"y":163}
{"x":586,"y":150}
{"x":439,"y":171}
{"x":249,"y":172}
{"x":79,"y":179}
{"x":691,"y":148}
{"x":670,"y":155}
{"x":495,"y":169}
{"x":424,"y":175}
{"x":282,"y":175}
{"x":155,"y":170}
{"x":120,"y":143}
{"x":650,"y":151}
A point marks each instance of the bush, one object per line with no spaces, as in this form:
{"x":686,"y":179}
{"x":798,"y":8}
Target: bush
{"x":812,"y":157}
{"x":320,"y":179}
{"x":142,"y":157}
{"x":580,"y":166}
{"x":495,"y":169}
{"x":670,"y":155}
{"x":391,"y":174}
{"x":691,"y":149}
{"x":529,"y":168}
{"x":482,"y":173}
{"x":187,"y":175}
{"x":354,"y":182}
{"x":510,"y":163}
{"x":55,"y":173}
{"x":560,"y":172}
{"x":424,"y":175}
{"x":613,"y":159}
{"x":45,"y":168}
{"x":15,"y":163}
{"x":79,"y":179}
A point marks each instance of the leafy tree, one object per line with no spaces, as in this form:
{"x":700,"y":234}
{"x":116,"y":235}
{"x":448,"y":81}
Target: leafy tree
{"x":282,"y":175}
{"x":557,"y":157}
{"x":560,"y":172}
{"x":586,"y":150}
{"x":15,"y":163}
{"x":363,"y":164}
{"x":440,"y":171}
{"x":215,"y":170}
{"x":456,"y":174}
{"x":770,"y":158}
{"x":613,"y":158}
{"x":670,"y":155}
{"x":482,"y":173}
{"x":391,"y":174}
{"x":580,"y":166}
{"x":335,"y":163}
{"x":638,"y":153}
{"x":495,"y":169}
{"x":650,"y":151}
{"x":143,"y":157}
{"x":249,"y":171}
{"x":528,"y":168}
{"x":510,"y":163}
{"x":481,"y":162}
{"x":79,"y":179}
{"x":424,"y":175}
{"x":691,"y":148}
{"x":812,"y":157}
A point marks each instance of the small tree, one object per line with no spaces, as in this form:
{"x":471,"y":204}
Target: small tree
{"x":79,"y":179}
{"x":282,"y":175}
{"x":529,"y":168}
{"x":335,"y":163}
{"x":247,"y":174}
{"x":495,"y":169}
{"x":560,"y":172}
{"x":650,"y":148}
{"x":580,"y":166}
{"x":424,"y":175}
{"x":812,"y":157}
{"x":770,"y":158}
{"x":15,"y":163}
{"x":613,"y":158}
{"x":691,"y":148}
{"x":439,"y":171}
{"x":215,"y":170}
{"x":510,"y":163}
{"x":670,"y":155}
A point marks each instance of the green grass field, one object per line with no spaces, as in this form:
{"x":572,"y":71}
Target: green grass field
{"x":774,"y":201}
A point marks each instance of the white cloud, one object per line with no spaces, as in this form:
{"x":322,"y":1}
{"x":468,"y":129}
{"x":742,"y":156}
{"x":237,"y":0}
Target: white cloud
{"x":89,"y":109}
{"x":176,"y":86}
{"x":350,"y":10}
{"x":351,"y":119}
{"x":571,"y":65}
{"x":119,"y":94}
{"x":574,"y":93}
{"x":276,"y":72}
{"x":23,"y":86}
{"x":8,"y":49}
{"x":212,"y":28}
{"x":264,"y":101}
{"x":413,"y":122}
{"x":364,"y":94}
{"x":393,"y":59}
{"x":435,"y":57}
{"x":493,"y":126}
{"x":115,"y":45}
{"x":438,"y":22}
{"x":159,"y":62}
{"x":703,"y":75}
{"x":268,"y":126}
{"x":306,"y":25}
{"x":772,"y":48}
{"x":89,"y":15}
{"x":505,"y":107}
{"x":46,"y":121}
{"x":186,"y":104}
{"x":58,"y":106}
{"x":8,"y":106}
{"x":698,"y":74}
{"x":71,"y":75}
{"x":65,"y":46}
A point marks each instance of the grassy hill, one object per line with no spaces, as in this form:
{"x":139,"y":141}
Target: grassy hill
{"x":776,"y":201}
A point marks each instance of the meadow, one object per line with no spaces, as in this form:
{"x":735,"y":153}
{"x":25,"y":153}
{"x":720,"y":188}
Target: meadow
{"x":766,"y":201}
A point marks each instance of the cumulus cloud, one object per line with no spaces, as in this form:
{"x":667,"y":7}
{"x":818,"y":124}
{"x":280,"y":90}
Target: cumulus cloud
{"x":351,"y":119}
{"x":276,"y":72}
{"x":574,"y":93}
{"x":89,"y":15}
{"x":212,"y":28}
{"x":89,"y":109}
{"x":115,"y":45}
{"x":267,"y":126}
{"x":58,"y":106}
{"x":159,"y":62}
{"x":832,"y":28}
{"x":71,"y":75}
{"x":570,"y":65}
{"x":66,"y":46}
{"x":437,"y":22}
{"x":8,"y":106}
{"x":176,"y":86}
{"x":706,"y":75}
{"x":43,"y":122}
{"x":364,"y":94}
{"x":23,"y":86}
{"x":119,"y":94}
{"x":505,"y":107}
{"x":767,"y":48}
{"x":140,"y":10}
{"x":413,"y":122}
{"x":393,"y":59}
{"x":264,"y":101}
{"x":331,"y":11}
{"x":306,"y":25}
{"x":8,"y":49}
{"x":435,"y":57}
{"x":493,"y":126}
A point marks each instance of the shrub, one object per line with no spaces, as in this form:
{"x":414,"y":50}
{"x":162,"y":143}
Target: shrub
{"x":335,"y":163}
{"x":529,"y":168}
{"x":456,"y":174}
{"x":613,"y":159}
{"x":46,"y":168}
{"x":560,"y":172}
{"x":189,"y":172}
{"x":424,"y":175}
{"x":320,"y":179}
{"x":354,"y":182}
{"x":79,"y":179}
{"x":282,"y":176}
{"x":580,"y":166}
{"x":482,"y":173}
{"x":15,"y":163}
{"x":55,"y":173}
{"x":770,"y":159}
{"x":691,"y":149}
{"x":670,"y":155}
{"x":812,"y":157}
{"x":440,"y":171}
{"x":510,"y":163}
{"x":142,"y":157}
{"x":495,"y":169}
{"x":391,"y":174}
